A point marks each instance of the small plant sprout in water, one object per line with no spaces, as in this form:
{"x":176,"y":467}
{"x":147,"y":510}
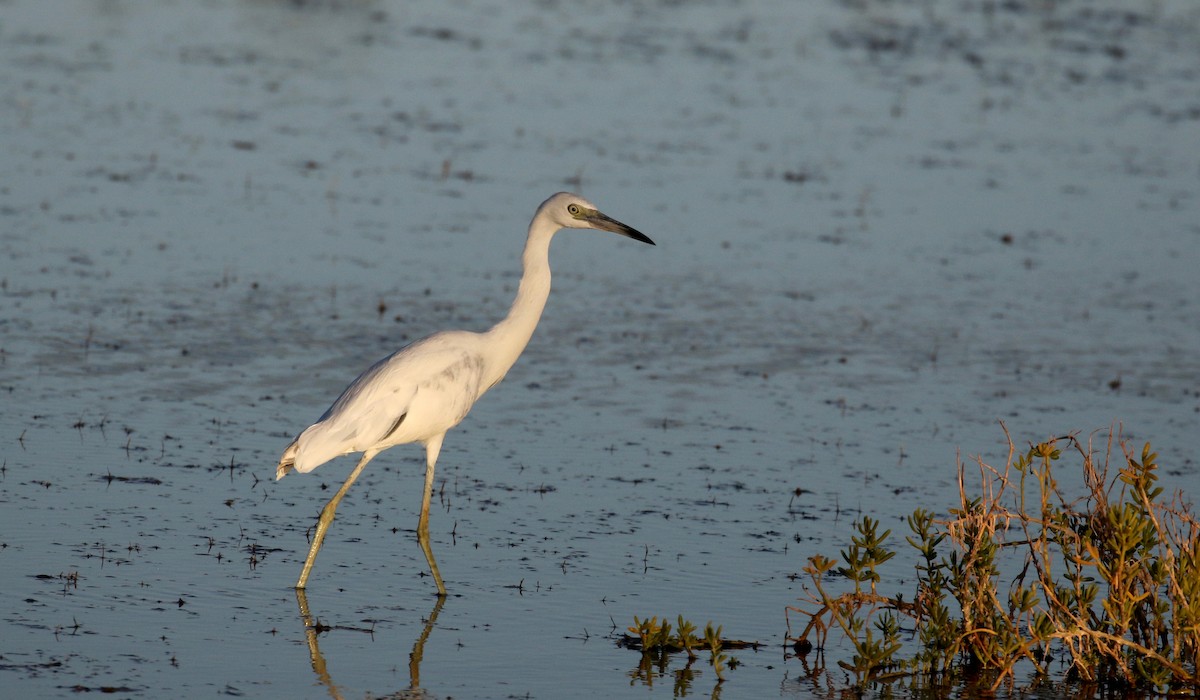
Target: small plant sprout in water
{"x":657,"y":642}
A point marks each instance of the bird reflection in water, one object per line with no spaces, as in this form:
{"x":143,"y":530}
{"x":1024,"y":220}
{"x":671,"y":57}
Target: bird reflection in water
{"x":313,"y":629}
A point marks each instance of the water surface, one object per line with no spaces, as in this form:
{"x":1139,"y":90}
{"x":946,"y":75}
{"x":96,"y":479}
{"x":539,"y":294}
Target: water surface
{"x":883,"y":228}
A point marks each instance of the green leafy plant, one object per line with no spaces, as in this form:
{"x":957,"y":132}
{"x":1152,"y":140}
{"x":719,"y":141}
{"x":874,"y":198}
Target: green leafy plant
{"x":687,"y":637}
{"x":657,"y":642}
{"x":851,"y":612}
{"x":712,"y":638}
{"x":1109,"y":582}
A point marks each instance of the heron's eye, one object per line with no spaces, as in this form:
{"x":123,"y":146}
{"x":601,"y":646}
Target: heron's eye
{"x":573,"y":209}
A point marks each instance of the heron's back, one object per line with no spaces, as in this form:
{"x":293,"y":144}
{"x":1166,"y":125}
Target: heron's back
{"x":412,"y":395}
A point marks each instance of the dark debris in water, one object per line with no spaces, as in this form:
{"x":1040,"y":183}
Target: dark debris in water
{"x":110,"y":478}
{"x":30,"y":666}
{"x":629,"y":641}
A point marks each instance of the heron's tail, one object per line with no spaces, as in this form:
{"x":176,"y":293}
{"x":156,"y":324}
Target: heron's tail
{"x":288,"y":461}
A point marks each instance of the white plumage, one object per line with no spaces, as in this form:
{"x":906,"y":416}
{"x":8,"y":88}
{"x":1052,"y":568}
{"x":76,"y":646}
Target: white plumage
{"x":413,"y":395}
{"x":423,"y":390}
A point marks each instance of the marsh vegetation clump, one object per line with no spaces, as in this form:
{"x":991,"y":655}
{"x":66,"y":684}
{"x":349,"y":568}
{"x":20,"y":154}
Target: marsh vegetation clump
{"x":1019,"y":576}
{"x":658,"y":641}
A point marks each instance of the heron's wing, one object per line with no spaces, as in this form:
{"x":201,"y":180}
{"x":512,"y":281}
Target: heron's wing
{"x":376,"y":404}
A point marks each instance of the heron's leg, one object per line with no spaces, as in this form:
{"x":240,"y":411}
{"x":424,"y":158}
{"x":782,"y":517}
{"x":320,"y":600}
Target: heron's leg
{"x":327,"y":517}
{"x":431,"y":454}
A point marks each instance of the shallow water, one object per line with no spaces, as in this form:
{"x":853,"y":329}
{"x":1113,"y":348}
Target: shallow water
{"x":883,"y":228}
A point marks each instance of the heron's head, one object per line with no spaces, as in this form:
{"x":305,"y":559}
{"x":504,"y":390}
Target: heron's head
{"x":572,"y":211}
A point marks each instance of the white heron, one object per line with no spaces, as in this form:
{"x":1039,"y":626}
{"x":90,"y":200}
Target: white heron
{"x":421,"y":391}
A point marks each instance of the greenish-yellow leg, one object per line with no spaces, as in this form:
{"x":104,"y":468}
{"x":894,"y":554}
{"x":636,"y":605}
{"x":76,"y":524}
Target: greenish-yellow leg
{"x":327,"y":517}
{"x":431,"y":452}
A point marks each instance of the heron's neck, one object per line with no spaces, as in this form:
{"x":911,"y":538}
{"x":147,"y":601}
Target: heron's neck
{"x":510,"y":336}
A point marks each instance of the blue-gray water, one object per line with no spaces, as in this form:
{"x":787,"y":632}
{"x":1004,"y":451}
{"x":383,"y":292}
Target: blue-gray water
{"x":883,"y":227}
